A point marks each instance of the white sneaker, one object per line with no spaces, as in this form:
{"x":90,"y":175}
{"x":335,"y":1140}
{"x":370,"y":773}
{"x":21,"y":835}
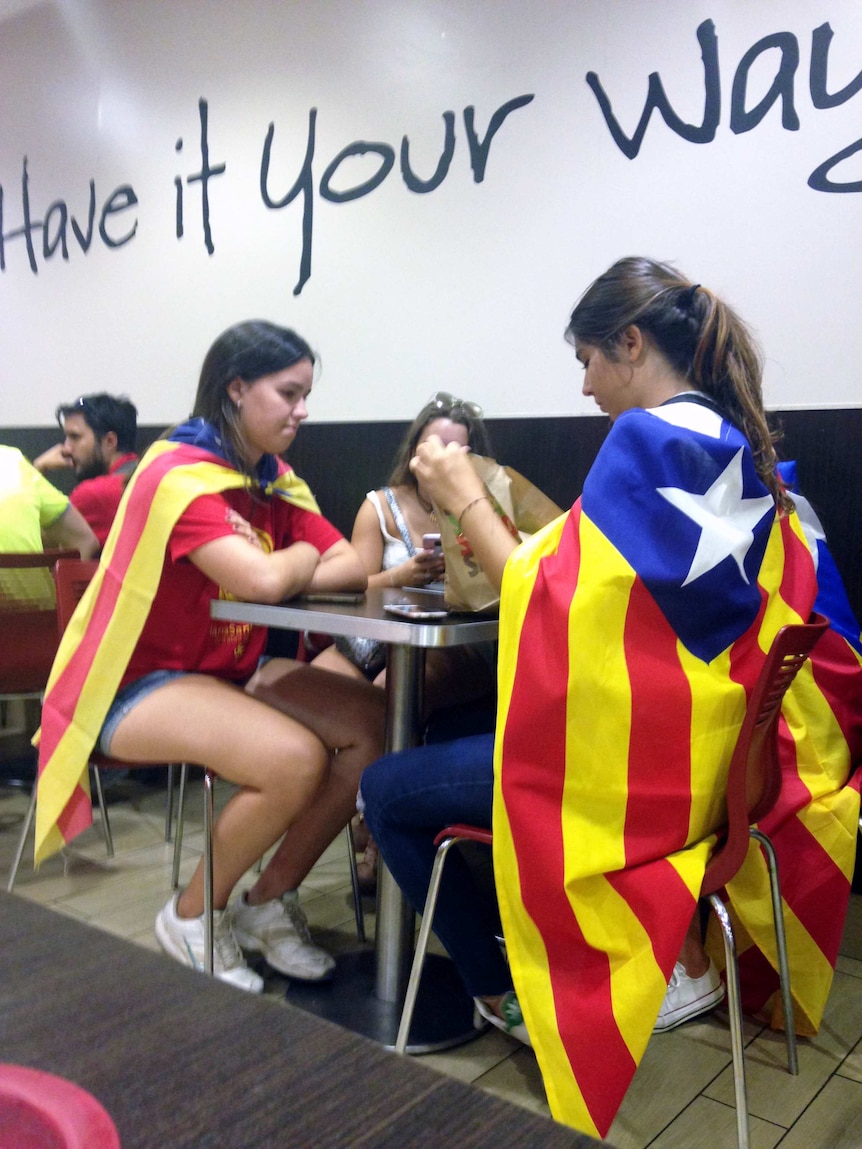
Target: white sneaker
{"x":688,"y":997}
{"x":279,"y":931}
{"x":183,"y":939}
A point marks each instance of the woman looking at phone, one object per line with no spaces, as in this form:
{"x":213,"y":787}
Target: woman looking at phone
{"x":390,"y":533}
{"x":396,"y":535}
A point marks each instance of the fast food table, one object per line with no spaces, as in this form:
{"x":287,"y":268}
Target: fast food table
{"x":182,"y":1061}
{"x":366,"y":994}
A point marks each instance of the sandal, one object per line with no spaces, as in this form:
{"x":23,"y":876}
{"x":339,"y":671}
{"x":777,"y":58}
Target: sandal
{"x":361,"y":834}
{"x":366,"y":870}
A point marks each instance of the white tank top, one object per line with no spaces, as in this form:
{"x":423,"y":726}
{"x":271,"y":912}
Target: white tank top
{"x":395,"y":550}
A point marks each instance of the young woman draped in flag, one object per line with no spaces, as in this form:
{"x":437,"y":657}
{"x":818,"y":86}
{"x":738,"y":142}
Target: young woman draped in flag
{"x":145,"y":673}
{"x":631,"y":632}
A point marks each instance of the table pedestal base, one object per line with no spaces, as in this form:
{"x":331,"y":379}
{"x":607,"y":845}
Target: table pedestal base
{"x":443,"y":1017}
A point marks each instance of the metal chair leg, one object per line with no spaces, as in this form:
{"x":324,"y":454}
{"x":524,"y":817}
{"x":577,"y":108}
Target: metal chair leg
{"x":28,"y":822}
{"x":103,"y":810}
{"x":208,"y":872}
{"x":422,"y":944}
{"x":781,"y":947}
{"x":734,"y":1009}
{"x":22,"y":841}
{"x":358,"y":911}
{"x":178,"y":837}
{"x":169,"y":805}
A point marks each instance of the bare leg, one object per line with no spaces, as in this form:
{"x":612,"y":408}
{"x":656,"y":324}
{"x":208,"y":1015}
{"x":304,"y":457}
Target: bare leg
{"x":692,"y":956}
{"x":451,"y":677}
{"x":348,"y":718}
{"x":279,"y":764}
{"x":334,"y":660}
{"x":455,"y":676}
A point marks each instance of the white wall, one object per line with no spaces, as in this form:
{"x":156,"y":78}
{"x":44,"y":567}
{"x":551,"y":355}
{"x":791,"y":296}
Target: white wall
{"x":465,"y":288}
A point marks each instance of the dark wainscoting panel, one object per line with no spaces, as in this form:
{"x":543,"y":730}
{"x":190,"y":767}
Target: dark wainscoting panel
{"x":827,"y":446}
{"x":341,"y":461}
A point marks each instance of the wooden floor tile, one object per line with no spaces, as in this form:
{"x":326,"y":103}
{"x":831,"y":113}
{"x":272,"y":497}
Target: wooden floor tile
{"x":832,"y":1121}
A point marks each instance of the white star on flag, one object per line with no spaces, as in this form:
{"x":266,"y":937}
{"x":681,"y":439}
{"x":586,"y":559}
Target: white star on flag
{"x":726,"y":519}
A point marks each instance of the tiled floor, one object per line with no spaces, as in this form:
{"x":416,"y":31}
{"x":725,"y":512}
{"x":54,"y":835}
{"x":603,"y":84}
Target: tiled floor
{"x":682,"y":1095}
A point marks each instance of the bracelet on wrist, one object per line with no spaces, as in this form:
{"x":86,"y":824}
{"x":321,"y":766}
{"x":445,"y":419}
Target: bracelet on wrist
{"x":479,"y":499}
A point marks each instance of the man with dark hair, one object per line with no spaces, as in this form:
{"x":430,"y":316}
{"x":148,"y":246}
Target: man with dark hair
{"x":99,"y":445}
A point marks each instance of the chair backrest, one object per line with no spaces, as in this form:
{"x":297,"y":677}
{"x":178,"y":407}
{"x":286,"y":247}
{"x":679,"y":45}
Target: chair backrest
{"x":754,"y":775}
{"x":28,"y":620}
{"x":71,"y":577}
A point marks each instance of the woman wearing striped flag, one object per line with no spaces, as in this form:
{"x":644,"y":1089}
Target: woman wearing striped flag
{"x":631,"y":631}
{"x":146,"y":674}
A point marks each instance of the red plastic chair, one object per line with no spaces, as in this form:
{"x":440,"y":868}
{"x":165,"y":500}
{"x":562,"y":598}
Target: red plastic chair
{"x":753,"y":785}
{"x":29,"y":620}
{"x":72,"y":576}
{"x":448,"y":837}
{"x":28,"y":626}
{"x":69,"y":585}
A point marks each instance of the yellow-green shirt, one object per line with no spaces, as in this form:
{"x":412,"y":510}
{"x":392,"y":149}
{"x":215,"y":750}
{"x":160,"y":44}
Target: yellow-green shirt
{"x":28,"y":502}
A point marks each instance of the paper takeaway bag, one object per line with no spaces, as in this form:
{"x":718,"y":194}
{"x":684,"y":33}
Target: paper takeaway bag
{"x":522,"y":507}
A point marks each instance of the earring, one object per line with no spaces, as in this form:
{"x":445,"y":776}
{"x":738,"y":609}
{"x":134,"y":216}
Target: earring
{"x":239,"y":404}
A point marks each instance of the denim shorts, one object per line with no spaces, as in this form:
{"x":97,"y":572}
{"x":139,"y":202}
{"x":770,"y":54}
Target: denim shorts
{"x":128,"y":697}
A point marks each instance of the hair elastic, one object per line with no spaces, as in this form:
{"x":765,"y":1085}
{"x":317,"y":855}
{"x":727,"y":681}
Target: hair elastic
{"x":687,"y":297}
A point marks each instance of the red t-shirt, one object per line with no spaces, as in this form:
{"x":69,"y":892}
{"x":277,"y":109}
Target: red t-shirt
{"x":97,"y":499}
{"x":179,"y":633}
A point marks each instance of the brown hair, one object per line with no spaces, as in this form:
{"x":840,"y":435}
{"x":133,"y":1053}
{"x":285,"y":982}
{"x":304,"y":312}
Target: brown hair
{"x":477,"y":437}
{"x":246,"y":351}
{"x":703,"y":339}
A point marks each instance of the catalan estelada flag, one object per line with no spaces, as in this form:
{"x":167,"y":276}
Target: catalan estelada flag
{"x":631,"y":633}
{"x":101,"y":636}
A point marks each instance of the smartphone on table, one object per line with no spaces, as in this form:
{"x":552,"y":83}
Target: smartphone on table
{"x":414,"y":611}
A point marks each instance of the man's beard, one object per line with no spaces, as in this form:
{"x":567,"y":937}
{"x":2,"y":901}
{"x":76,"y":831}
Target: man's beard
{"x":92,"y":468}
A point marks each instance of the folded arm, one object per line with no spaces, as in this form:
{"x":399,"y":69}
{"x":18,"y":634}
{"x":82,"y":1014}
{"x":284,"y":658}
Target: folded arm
{"x":256,"y":576}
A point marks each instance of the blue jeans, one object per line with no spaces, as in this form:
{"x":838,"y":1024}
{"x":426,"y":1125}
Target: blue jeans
{"x":408,"y":798}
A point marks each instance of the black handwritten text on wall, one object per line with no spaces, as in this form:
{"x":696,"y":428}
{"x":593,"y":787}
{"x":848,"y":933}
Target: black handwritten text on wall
{"x":58,"y":219}
{"x":742,"y":118}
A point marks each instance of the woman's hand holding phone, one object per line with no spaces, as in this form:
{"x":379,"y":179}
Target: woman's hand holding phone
{"x":429,"y":561}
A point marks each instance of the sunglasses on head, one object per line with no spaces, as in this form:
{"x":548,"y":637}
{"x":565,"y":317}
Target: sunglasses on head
{"x":82,"y":404}
{"x":449,"y":404}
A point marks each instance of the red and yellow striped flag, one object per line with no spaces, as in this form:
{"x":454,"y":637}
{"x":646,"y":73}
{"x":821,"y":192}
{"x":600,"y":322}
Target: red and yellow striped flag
{"x":102,"y":634}
{"x":632,"y":631}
